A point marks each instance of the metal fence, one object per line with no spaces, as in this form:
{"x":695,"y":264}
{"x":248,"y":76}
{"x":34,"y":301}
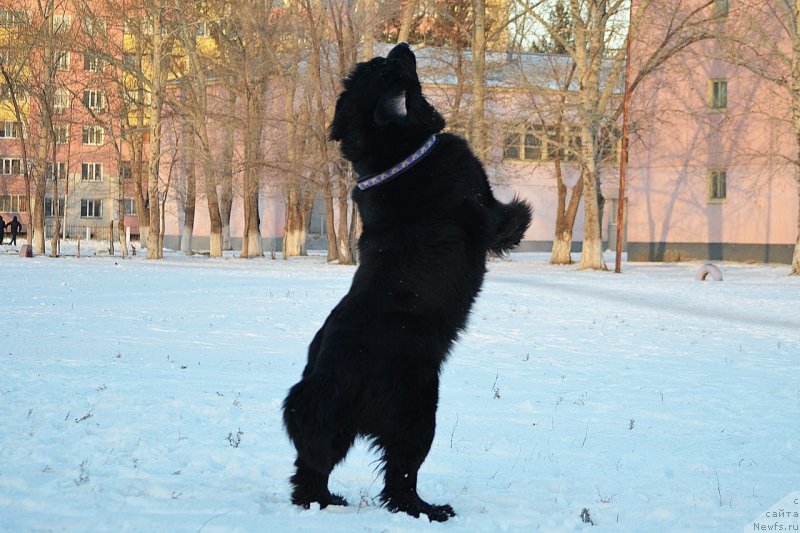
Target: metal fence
{"x":90,"y":232}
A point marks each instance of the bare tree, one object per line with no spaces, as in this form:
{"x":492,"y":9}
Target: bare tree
{"x":42,"y":31}
{"x":248,"y":36}
{"x":594,"y":40}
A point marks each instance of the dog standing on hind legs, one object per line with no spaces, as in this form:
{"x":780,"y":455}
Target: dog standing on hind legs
{"x":429,"y":221}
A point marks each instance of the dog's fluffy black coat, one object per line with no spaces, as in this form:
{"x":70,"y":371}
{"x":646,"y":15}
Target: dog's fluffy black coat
{"x":373,"y":368}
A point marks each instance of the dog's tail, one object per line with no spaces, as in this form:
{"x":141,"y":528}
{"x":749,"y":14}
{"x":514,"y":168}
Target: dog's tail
{"x":511,"y":223}
{"x":310,"y":418}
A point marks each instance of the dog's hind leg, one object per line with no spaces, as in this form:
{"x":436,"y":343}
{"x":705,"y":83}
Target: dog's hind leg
{"x":404,"y":450}
{"x":321,"y":440}
{"x":310,"y":480}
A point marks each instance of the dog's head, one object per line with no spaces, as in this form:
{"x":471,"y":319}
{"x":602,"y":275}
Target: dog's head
{"x":381,"y":107}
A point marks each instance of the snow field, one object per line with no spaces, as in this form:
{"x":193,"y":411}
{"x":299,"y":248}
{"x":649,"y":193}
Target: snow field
{"x":145,"y":396}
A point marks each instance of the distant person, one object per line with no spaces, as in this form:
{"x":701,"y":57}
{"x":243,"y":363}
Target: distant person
{"x":15,"y":227}
{"x":2,"y":230}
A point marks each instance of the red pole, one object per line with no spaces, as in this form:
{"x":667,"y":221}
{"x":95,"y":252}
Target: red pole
{"x":623,"y":156}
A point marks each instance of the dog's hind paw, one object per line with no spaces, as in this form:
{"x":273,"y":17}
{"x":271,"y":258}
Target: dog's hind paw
{"x":435,"y":513}
{"x":335,"y":499}
{"x":439,"y":513}
{"x":323,"y":501}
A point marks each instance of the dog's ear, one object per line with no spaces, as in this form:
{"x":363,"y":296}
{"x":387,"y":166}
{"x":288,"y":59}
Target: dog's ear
{"x":391,"y":109}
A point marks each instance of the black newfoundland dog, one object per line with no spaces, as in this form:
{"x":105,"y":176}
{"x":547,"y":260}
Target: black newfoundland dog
{"x":429,"y":221}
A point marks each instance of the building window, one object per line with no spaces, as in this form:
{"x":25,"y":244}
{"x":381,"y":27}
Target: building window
{"x":10,"y":166}
{"x":92,"y":62}
{"x":717,"y":184}
{"x":57,"y":171}
{"x":62,"y":60}
{"x":94,"y":26}
{"x":719,"y":94}
{"x":533,"y":146}
{"x":721,"y":8}
{"x":538,"y":143}
{"x":126,"y":170}
{"x":10,"y":130}
{"x":130,"y":62}
{"x":130,"y":206}
{"x":50,"y":205}
{"x":62,"y":133}
{"x":10,"y":18}
{"x":13,"y":203}
{"x":93,"y":99}
{"x":92,"y":172}
{"x":511,"y":146}
{"x":60,"y":101}
{"x":61,"y":23}
{"x":93,"y":135}
{"x":202,"y":29}
{"x":91,"y":208}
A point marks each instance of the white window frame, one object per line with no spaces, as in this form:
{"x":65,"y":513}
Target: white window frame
{"x":61,"y":22}
{"x":94,"y":99}
{"x":57,"y":172}
{"x":718,"y":93}
{"x":91,"y":171}
{"x":93,"y":135}
{"x":92,"y":62}
{"x":10,"y":18}
{"x":48,"y":206}
{"x":94,"y":26}
{"x":60,"y":101}
{"x":717,"y":185}
{"x":10,"y":166}
{"x":12,"y":203}
{"x":130,"y":206}
{"x":91,"y":208}
{"x":63,"y":60}
{"x":10,"y":129}
{"x":62,"y":133}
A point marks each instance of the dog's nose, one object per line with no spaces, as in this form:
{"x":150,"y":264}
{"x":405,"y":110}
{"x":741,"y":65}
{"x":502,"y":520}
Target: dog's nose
{"x":401,"y":49}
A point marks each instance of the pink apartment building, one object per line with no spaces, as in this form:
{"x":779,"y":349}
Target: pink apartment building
{"x":711,"y":173}
{"x":90,"y":173}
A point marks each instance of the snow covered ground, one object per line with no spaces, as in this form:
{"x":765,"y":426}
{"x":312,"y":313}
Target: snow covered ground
{"x":145,"y":396}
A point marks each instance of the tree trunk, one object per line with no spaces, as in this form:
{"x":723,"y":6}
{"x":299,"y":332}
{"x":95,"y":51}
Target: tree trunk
{"x":123,"y":235}
{"x":214,"y":216}
{"x":478,"y":139}
{"x":355,"y":231}
{"x":154,"y":251}
{"x":190,"y":173}
{"x":254,"y":127}
{"x":588,"y":53}
{"x":296,"y":226}
{"x":226,"y":189}
{"x":406,"y":20}
{"x":55,"y":242}
{"x":565,"y":219}
{"x":330,"y":224}
{"x":343,"y":242}
{"x":136,"y":147}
